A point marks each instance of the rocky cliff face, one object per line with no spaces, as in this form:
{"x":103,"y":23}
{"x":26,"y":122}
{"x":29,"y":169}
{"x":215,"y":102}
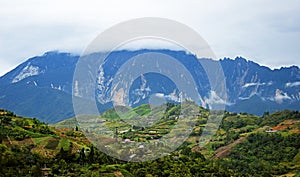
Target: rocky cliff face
{"x":44,"y":83}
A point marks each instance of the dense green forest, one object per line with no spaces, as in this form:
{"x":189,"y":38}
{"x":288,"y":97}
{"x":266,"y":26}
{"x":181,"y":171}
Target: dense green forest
{"x":244,"y":145}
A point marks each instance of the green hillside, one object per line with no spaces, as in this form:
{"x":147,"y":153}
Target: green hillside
{"x":244,"y":145}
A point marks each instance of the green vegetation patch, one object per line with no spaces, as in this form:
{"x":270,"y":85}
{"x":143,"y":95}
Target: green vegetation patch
{"x":40,"y":140}
{"x":64,"y":143}
{"x":52,"y":144}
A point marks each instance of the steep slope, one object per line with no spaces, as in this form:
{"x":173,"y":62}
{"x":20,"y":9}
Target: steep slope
{"x":51,"y":70}
{"x":41,"y":87}
{"x":250,"y":84}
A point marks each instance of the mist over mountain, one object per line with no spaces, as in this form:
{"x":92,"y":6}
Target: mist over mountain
{"x":42,"y":86}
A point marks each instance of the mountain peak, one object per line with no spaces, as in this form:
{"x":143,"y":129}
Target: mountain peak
{"x":240,"y":58}
{"x":293,"y":67}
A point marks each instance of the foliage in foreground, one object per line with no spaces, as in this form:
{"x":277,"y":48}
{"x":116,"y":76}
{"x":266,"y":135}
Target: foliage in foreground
{"x":70,"y":154}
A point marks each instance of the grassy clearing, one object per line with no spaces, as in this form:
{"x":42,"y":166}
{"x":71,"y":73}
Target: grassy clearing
{"x":40,"y":140}
{"x":64,"y":143}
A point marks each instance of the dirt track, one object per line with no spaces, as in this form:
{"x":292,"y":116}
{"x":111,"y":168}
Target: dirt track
{"x":224,"y":151}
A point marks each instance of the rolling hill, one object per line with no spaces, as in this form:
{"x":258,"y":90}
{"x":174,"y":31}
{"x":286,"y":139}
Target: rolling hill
{"x":243,"y":145}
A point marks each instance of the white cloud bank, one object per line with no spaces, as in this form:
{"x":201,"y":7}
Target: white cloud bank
{"x":256,"y":84}
{"x":280,"y":96}
{"x":264,"y":31}
{"x":292,"y":84}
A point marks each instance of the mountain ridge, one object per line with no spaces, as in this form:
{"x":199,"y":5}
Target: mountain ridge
{"x":276,"y":89}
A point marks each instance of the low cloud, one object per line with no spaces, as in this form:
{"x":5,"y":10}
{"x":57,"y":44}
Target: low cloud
{"x":264,"y":31}
{"x":292,"y":84}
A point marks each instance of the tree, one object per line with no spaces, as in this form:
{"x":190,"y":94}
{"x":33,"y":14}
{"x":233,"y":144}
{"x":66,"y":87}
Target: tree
{"x":26,"y":123}
{"x":91,"y":155}
{"x":5,"y":119}
{"x":267,"y":113}
{"x":36,"y":170}
{"x":62,"y":166}
{"x":82,"y":156}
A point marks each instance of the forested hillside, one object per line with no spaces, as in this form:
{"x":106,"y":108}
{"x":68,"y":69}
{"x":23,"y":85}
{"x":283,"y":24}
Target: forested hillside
{"x":244,"y":145}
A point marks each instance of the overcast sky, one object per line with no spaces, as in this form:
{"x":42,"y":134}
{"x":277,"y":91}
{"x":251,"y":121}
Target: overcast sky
{"x":265,"y":31}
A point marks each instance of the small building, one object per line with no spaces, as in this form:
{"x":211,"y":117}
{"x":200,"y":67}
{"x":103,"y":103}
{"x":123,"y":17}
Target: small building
{"x":271,"y":131}
{"x":126,"y":141}
{"x":152,"y":132}
{"x":123,"y":131}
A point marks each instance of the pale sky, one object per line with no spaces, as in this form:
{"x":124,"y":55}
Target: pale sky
{"x":264,"y":31}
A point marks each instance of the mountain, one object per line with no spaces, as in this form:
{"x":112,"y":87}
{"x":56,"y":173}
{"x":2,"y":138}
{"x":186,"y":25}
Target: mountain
{"x":42,"y":86}
{"x":254,"y":89}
